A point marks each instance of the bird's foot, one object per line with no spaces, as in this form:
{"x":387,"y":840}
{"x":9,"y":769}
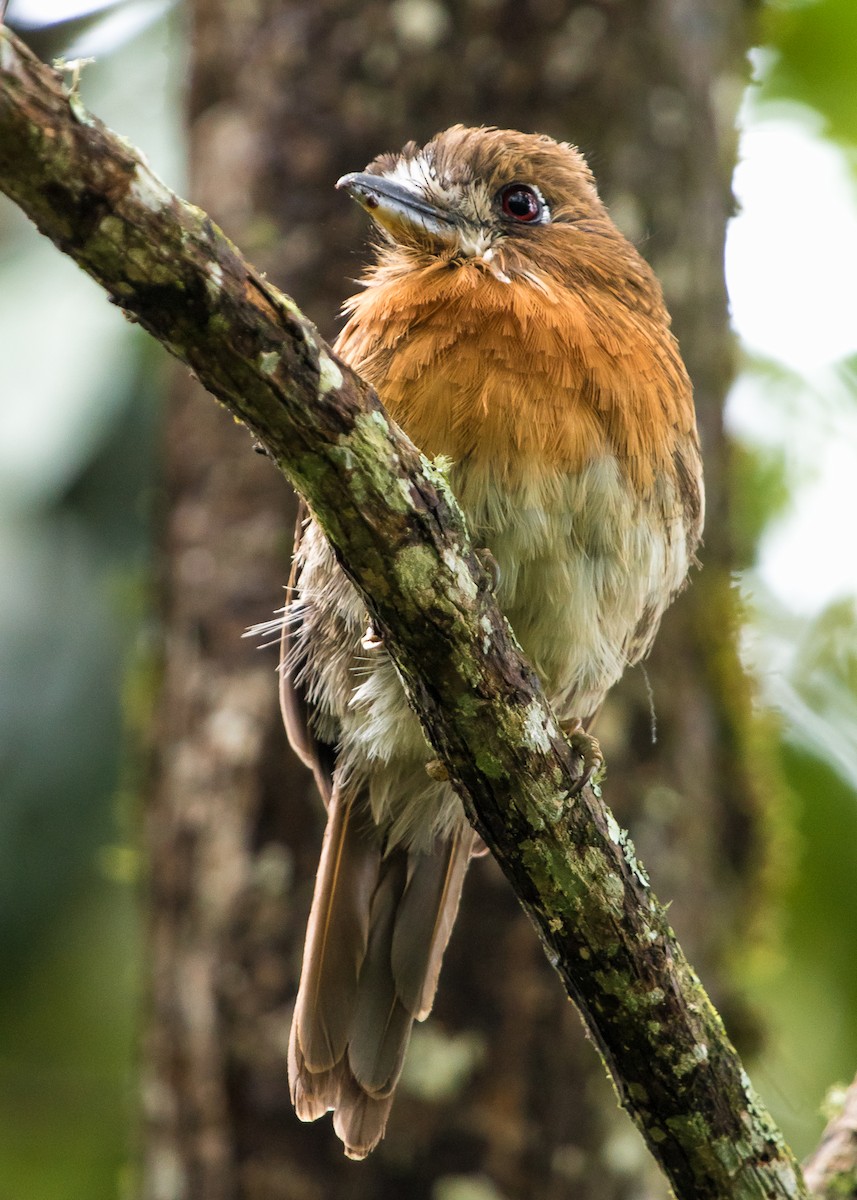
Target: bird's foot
{"x":489,"y":565}
{"x":587,"y":747}
{"x":436,"y":770}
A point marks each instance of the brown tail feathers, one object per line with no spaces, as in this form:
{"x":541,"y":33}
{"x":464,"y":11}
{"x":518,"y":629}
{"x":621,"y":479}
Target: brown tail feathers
{"x":377,"y":931}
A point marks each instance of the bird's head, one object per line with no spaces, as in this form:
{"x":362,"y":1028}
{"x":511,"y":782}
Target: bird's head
{"x":498,"y":198}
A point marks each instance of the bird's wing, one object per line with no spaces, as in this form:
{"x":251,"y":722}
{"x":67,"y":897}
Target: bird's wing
{"x":318,"y":755}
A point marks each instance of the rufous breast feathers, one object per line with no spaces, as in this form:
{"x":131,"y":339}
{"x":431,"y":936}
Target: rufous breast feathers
{"x":518,"y":373}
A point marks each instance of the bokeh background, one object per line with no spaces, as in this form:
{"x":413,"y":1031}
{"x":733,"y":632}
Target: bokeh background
{"x":80,"y":401}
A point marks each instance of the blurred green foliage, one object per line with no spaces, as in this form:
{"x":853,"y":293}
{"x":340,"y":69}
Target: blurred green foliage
{"x":759,"y":493}
{"x":68,"y":1028}
{"x":70,"y":629}
{"x":804,"y":974}
{"x":79,"y":412}
{"x":815,"y":43}
{"x":805,"y":983}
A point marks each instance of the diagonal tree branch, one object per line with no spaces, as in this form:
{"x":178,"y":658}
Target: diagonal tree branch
{"x":400,"y":535}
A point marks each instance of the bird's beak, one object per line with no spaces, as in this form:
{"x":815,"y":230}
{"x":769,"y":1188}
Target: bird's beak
{"x":396,"y":207}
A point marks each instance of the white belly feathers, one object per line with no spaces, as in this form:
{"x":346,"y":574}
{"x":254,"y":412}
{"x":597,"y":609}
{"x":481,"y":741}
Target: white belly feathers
{"x":581,"y":608}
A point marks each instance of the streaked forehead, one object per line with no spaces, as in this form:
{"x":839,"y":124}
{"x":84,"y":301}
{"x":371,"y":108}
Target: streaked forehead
{"x":432,"y":165}
{"x":416,"y":170}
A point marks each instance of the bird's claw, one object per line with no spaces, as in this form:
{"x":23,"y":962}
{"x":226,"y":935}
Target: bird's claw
{"x":489,"y":565}
{"x":587,"y":747}
{"x":371,"y":640}
{"x":436,"y":770}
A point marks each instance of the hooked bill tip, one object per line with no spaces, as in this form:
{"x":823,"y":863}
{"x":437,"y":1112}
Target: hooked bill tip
{"x":360,"y":188}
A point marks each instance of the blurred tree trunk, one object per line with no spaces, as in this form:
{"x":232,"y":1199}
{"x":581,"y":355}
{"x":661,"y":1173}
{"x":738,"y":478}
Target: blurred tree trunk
{"x":284,"y":98}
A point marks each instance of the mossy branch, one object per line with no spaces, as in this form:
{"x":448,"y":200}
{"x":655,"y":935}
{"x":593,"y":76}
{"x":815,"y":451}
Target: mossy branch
{"x":401,"y":537}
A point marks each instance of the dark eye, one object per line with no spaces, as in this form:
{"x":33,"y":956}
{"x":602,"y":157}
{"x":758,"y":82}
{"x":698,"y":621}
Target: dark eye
{"x":521,"y":202}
